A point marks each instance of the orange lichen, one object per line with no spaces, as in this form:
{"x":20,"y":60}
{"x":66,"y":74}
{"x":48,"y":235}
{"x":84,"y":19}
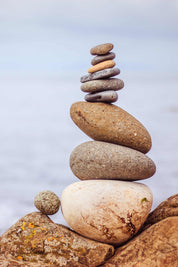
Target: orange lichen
{"x":31,"y":225}
{"x":19,"y":258}
{"x":23,"y":226}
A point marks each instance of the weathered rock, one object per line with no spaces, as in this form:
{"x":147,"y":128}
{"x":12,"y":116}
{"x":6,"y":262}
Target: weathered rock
{"x":157,"y":246}
{"x":99,"y":59}
{"x":101,"y":49}
{"x":47,"y":202}
{"x":35,"y":239}
{"x":101,"y":160}
{"x":106,"y":210}
{"x":105,"y":96}
{"x":102,"y":85}
{"x":101,"y":66}
{"x":167,"y":208}
{"x":106,"y":73}
{"x":110,"y":123}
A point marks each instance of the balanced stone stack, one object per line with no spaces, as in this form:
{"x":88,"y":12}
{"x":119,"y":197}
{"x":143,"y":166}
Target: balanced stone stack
{"x":107,"y":206}
{"x":97,"y":83}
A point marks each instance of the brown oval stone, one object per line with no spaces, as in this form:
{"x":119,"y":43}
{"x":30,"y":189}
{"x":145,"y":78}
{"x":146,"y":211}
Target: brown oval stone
{"x":101,"y":49}
{"x":110,"y":123}
{"x":101,"y":66}
{"x":99,"y":59}
{"x":101,"y":160}
{"x":102,"y":85}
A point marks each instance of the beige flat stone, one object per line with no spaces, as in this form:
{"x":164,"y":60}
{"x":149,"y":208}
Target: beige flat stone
{"x":157,"y":246}
{"x":110,"y":123}
{"x":101,"y":160}
{"x":106,"y":210}
{"x":101,"y":66}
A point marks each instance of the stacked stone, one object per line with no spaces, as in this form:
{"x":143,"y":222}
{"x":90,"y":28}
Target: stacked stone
{"x":98,"y":83}
{"x":107,"y":205}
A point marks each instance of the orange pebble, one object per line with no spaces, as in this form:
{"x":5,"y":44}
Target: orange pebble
{"x":101,"y":66}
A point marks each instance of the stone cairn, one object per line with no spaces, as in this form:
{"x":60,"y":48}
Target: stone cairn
{"x":107,"y":205}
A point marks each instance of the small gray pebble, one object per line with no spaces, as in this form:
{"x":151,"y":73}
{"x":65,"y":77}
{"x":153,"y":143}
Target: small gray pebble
{"x":106,"y":73}
{"x":102,"y":85}
{"x":105,"y":96}
{"x":99,"y":59}
{"x":47,"y":202}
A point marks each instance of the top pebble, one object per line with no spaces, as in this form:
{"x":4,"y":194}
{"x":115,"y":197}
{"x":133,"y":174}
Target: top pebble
{"x":101,"y":49}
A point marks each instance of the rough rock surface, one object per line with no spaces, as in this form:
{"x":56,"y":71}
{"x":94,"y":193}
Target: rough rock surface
{"x":157,"y":246}
{"x":110,"y":123}
{"x":101,"y":49}
{"x":167,"y":208}
{"x":102,"y":85}
{"x":47,"y":202}
{"x":101,"y":66}
{"x":105,"y":96}
{"x":99,"y":59}
{"x":35,"y":239}
{"x":106,"y":210}
{"x":101,"y":160}
{"x":106,"y":73}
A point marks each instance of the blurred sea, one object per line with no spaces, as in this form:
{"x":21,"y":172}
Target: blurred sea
{"x":37,"y":136}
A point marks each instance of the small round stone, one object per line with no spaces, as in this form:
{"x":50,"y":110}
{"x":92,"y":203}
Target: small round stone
{"x":101,"y":66}
{"x":100,"y":75}
{"x":102,"y":85}
{"x":101,"y":49}
{"x":99,"y":59}
{"x":47,"y":202}
{"x":105,"y":96}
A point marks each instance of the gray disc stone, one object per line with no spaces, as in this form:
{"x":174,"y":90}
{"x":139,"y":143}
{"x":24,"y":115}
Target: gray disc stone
{"x":47,"y":202}
{"x":101,"y":49}
{"x":99,"y":59}
{"x":106,"y":73}
{"x":102,"y":85}
{"x":105,"y":96}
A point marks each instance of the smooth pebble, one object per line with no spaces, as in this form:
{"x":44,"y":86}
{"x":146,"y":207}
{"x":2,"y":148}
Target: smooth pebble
{"x":106,"y":73}
{"x":99,"y":59}
{"x":101,"y":160}
{"x":106,"y":211}
{"x":105,"y":96}
{"x":102,"y":85}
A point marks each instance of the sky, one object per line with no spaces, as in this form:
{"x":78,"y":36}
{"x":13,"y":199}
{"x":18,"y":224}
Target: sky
{"x":51,"y":37}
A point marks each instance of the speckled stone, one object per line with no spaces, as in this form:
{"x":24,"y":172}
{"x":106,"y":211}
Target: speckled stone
{"x":99,"y":59}
{"x":110,"y":123}
{"x":107,"y":211}
{"x":101,"y":49}
{"x":36,"y":241}
{"x":106,"y":73}
{"x":101,"y":66}
{"x":47,"y":202}
{"x":101,"y":160}
{"x":105,"y":96}
{"x":102,"y":85}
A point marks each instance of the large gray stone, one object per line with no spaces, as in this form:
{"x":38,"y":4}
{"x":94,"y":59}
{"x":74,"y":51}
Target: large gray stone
{"x":101,"y":160}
